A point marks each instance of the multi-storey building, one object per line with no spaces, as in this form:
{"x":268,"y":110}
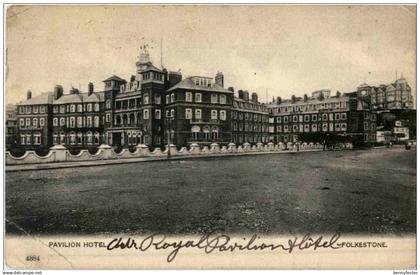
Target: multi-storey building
{"x":348,"y":115}
{"x":198,"y":110}
{"x":249,"y":119}
{"x":34,"y":118}
{"x":11,"y":126}
{"x":155,"y":107}
{"x":396,"y":95}
{"x":77,"y":117}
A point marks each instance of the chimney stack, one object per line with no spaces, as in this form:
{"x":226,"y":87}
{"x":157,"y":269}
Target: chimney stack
{"x":246,"y":95}
{"x":90,"y":88}
{"x":254,"y":97}
{"x":231,"y":89}
{"x":58,"y":91}
{"x":219,"y":79}
{"x":74,"y":91}
{"x":241,"y":94}
{"x":28,"y":94}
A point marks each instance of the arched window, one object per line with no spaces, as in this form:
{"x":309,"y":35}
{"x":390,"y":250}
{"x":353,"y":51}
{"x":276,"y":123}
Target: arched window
{"x":197,"y":97}
{"x":206,"y":132}
{"x":37,"y":138}
{"x":96,"y":139}
{"x":62,"y":138}
{"x":213,"y":114}
{"x":132,"y":119}
{"x":146,"y":114}
{"x":195,"y":130}
{"x":124,"y":119}
{"x":215,"y":132}
{"x":79,"y":138}
{"x":188,"y":96}
{"x":89,"y":137}
{"x":72,"y":138}
{"x":197,"y":113}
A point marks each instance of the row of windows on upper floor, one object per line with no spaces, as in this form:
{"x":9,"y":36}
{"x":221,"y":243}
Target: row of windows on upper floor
{"x":170,"y":98}
{"x":31,"y":122}
{"x":72,"y":122}
{"x":324,"y":127}
{"x":249,"y":116}
{"x":249,"y":106}
{"x":72,"y":108}
{"x":249,"y":127}
{"x":31,"y":138}
{"x":32,"y":109}
{"x":73,"y":138}
{"x":308,"y":118}
{"x":310,"y":107}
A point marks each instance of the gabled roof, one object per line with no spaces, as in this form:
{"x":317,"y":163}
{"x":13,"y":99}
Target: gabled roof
{"x":189,"y":84}
{"x":114,"y":77}
{"x":80,"y":98}
{"x":44,"y":98}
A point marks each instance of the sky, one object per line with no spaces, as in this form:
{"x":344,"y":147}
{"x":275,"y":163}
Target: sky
{"x":272,"y":50}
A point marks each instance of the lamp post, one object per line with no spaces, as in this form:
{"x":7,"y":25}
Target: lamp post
{"x":169,"y":137}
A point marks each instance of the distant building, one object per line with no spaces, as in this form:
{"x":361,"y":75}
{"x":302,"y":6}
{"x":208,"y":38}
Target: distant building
{"x":401,"y":131}
{"x":348,"y":115}
{"x":396,"y":95}
{"x":11,"y":126}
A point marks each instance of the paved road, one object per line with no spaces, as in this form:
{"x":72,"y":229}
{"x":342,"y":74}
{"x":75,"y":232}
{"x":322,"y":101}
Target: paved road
{"x":348,"y":191}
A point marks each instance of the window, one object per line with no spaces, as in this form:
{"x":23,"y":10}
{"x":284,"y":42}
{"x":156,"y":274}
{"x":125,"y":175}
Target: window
{"x":167,"y":99}
{"x":366,"y":126}
{"x":214,"y":98}
{"x":62,"y":121}
{"x":188,"y":114}
{"x":42,"y":122}
{"x":22,"y":139}
{"x":325,"y":127}
{"x":324,"y":117}
{"x":96,"y":121}
{"x":195,"y":130}
{"x":222,"y":99}
{"x":28,"y":109}
{"x":72,"y":122}
{"x":28,"y":138}
{"x":306,"y":128}
{"x":222,"y":115}
{"x":146,"y":114}
{"x":79,"y":108}
{"x":206,"y":132}
{"x":215,"y":132}
{"x":146,"y":99}
{"x":157,"y":99}
{"x":197,"y":97}
{"x":62,"y":109}
{"x":172,"y":97}
{"x":306,"y":118}
{"x":89,"y":121}
{"x":35,"y":122}
{"x":89,"y":137}
{"x":279,"y":119}
{"x":197,"y":113}
{"x":172,"y":113}
{"x":331,"y":116}
{"x":22,"y":123}
{"x":343,"y":116}
{"x":279,"y":128}
{"x":79,"y":122}
{"x":337,"y":116}
{"x":313,"y":117}
{"x":55,"y":121}
{"x":21,"y":109}
{"x":28,"y":122}
{"x":314,"y":128}
{"x":89,"y":107}
{"x":96,"y":139}
{"x":108,"y":104}
{"x":286,"y":119}
{"x":213,"y":114}
{"x":35,"y":109}
{"x":343,"y":126}
{"x":55,"y":109}
{"x":337,"y":127}
{"x":157,"y":114}
{"x":79,"y":138}
{"x":295,"y":118}
{"x":188,"y":96}
{"x":107,"y":117}
{"x":37,"y":138}
{"x":72,"y":108}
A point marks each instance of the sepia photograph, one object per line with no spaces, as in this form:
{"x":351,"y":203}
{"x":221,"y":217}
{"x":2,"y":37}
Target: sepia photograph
{"x":210,"y":136}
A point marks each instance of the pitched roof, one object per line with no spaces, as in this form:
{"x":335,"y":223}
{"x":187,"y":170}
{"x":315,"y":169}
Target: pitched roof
{"x":189,"y":84}
{"x":114,"y":77}
{"x":79,"y":98}
{"x":44,"y":98}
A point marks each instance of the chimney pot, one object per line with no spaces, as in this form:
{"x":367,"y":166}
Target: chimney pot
{"x":29,"y":94}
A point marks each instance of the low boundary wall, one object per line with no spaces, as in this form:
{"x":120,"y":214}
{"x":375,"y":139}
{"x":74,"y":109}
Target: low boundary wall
{"x":59,"y":153}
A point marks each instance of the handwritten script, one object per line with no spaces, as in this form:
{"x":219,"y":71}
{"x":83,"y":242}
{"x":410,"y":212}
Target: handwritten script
{"x":210,"y":243}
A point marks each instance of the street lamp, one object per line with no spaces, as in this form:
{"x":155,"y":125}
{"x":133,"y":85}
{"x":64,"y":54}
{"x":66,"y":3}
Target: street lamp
{"x":169,"y":136}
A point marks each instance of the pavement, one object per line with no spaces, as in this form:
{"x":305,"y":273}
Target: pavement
{"x":89,"y":163}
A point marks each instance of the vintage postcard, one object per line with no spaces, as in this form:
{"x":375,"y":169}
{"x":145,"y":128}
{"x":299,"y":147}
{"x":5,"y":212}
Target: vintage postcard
{"x":210,"y":136}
